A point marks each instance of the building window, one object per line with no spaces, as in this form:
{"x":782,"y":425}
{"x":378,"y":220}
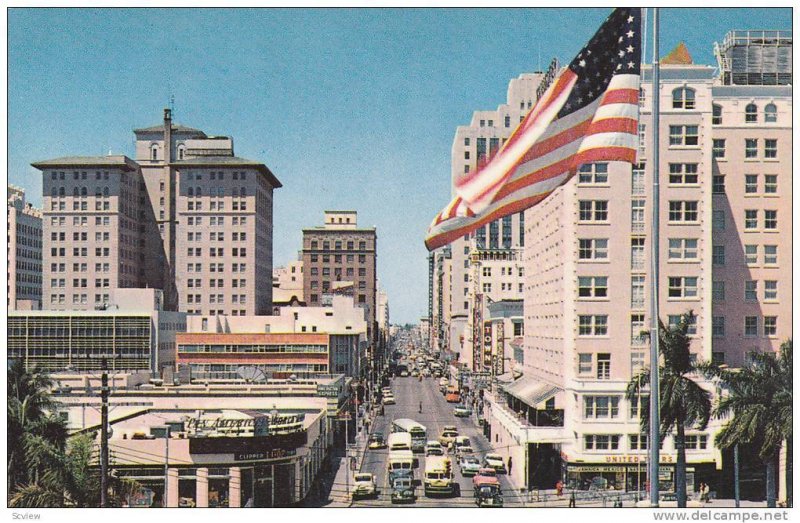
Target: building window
{"x":682,"y":287}
{"x":751,"y":326}
{"x":637,"y":253}
{"x":770,"y":113}
{"x":751,"y":290}
{"x":718,"y":148}
{"x":637,"y":329}
{"x":682,"y":249}
{"x":718,"y":326}
{"x":637,"y":291}
{"x":593,"y":210}
{"x":770,"y":326}
{"x":593,"y":249}
{"x":593,"y":173}
{"x":686,"y":135}
{"x":770,"y":290}
{"x":593,"y":325}
{"x":770,"y":184}
{"x":770,"y":219}
{"x":683,"y":98}
{"x":718,"y":220}
{"x":584,"y":363}
{"x":718,"y":290}
{"x":770,"y":255}
{"x":674,"y":321}
{"x":751,"y":254}
{"x":750,"y":113}
{"x":750,"y":183}
{"x":637,"y":215}
{"x":718,"y":184}
{"x":601,"y":442}
{"x":592,"y":287}
{"x":604,"y":366}
{"x":600,"y":407}
{"x":637,"y":180}
{"x":751,"y":219}
{"x":716,"y":114}
{"x":718,"y":255}
{"x":751,"y":147}
{"x":683,"y":173}
{"x":683,"y":211}
{"x":637,"y":441}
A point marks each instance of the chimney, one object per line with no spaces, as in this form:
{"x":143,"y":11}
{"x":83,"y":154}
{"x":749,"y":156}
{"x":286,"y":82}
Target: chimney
{"x":167,"y":136}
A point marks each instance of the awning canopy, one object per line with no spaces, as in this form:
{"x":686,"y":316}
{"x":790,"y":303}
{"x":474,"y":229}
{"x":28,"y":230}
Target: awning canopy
{"x":531,"y":391}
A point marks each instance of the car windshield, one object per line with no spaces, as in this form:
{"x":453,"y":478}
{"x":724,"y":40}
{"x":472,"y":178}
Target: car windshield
{"x":471,"y":460}
{"x":488,"y":472}
{"x":363,"y":477}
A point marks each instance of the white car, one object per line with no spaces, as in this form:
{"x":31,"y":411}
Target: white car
{"x":434,"y":448}
{"x":364,"y":486}
{"x":495,"y":461}
{"x":388,"y":400}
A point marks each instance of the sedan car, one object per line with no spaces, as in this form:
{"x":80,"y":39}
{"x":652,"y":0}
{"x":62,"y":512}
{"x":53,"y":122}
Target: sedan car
{"x":495,"y":461}
{"x":470,"y":465}
{"x":364,"y":486}
{"x":447,"y":437}
{"x":376,"y":441}
{"x":462,"y":411}
{"x":389,"y":400}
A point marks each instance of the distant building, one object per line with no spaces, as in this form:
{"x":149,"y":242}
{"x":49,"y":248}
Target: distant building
{"x":300,"y":342}
{"x":24,"y":251}
{"x":340,"y":258}
{"x":287,"y":286}
{"x":133,"y":333}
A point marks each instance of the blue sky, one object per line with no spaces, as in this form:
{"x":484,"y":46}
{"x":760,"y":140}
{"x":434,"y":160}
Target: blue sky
{"x":350,"y":108}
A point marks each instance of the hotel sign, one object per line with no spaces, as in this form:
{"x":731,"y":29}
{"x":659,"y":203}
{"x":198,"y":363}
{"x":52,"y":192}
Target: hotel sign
{"x":499,"y":362}
{"x":271,"y":454}
{"x":487,"y":345}
{"x":274,"y":444}
{"x":477,"y":328}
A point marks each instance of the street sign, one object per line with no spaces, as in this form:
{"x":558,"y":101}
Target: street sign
{"x":344,"y":416}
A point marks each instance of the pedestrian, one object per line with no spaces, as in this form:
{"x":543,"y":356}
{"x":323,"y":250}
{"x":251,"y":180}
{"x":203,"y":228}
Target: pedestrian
{"x":559,"y":488}
{"x":509,"y":465}
{"x":572,"y":499}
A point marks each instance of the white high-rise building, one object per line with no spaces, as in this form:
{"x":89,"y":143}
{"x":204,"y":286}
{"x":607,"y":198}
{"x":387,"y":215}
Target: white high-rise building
{"x":24,"y":251}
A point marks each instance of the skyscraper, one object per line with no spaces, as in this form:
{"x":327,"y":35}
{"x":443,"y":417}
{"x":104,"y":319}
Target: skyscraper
{"x":24,"y":250}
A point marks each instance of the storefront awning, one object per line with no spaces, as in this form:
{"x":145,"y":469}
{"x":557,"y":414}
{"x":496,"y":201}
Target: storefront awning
{"x":531,"y":391}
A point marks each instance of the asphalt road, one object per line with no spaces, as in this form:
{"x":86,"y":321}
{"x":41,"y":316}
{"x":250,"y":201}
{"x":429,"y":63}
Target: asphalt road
{"x":436,"y":413}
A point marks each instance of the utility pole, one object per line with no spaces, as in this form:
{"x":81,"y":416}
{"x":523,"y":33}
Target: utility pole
{"x":104,"y":436}
{"x":736,"y":474}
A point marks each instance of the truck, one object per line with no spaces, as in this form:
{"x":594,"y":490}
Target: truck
{"x":399,"y":441}
{"x":438,"y":477}
{"x":417,"y":431}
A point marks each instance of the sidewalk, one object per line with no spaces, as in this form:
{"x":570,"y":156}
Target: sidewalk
{"x":340,"y":496}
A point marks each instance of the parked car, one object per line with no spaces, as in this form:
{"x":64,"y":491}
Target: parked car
{"x":462,"y":411}
{"x":376,"y":441}
{"x":364,"y":486}
{"x":495,"y":461}
{"x":470,"y":465}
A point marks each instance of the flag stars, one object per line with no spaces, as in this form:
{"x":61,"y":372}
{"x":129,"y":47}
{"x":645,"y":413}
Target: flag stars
{"x":630,"y":19}
{"x":630,"y":49}
{"x":629,"y":34}
{"x":630,"y":65}
{"x":582,"y":63}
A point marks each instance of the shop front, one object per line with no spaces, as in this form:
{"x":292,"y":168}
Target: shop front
{"x":628,"y":474}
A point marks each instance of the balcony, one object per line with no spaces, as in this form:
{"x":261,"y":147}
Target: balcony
{"x":522,"y":428}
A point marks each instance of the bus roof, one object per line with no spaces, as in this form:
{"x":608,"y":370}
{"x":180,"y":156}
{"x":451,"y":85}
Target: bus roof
{"x":407,"y":424}
{"x":436,"y":463}
{"x":399,"y":437}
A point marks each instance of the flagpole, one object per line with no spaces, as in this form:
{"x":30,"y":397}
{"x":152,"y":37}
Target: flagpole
{"x":655,"y":418}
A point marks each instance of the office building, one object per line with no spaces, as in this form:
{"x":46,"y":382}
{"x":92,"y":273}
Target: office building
{"x":24,"y":251}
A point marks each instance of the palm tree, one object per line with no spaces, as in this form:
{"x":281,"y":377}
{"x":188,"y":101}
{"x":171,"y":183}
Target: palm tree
{"x":683,"y":403}
{"x":35,"y":434}
{"x":759,"y":399}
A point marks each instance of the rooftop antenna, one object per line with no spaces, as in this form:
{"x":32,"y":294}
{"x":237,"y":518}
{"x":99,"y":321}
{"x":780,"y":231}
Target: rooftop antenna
{"x":172,"y":105}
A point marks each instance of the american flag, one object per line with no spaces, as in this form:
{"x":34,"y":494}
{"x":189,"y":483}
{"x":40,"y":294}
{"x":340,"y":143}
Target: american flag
{"x":589,"y":114}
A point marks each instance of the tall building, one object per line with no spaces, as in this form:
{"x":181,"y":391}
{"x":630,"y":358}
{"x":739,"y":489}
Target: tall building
{"x":340,"y":258}
{"x":725,"y":244}
{"x":189,"y":218}
{"x":24,"y":251}
{"x":472,"y":146}
{"x":95,"y":221}
{"x":213,"y":212}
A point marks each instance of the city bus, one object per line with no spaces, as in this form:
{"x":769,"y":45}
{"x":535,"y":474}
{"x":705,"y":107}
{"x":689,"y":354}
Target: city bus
{"x":417,"y":431}
{"x":399,"y":441}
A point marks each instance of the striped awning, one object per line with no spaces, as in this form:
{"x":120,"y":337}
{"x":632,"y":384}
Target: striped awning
{"x":531,"y":391}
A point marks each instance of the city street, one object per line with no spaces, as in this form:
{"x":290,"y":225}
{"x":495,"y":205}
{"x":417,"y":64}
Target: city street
{"x":436,"y":413}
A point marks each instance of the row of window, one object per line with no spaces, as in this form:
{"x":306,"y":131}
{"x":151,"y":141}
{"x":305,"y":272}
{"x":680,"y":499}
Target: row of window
{"x":214,"y":206}
{"x":769,"y":326}
{"x":216,"y":252}
{"x":216,"y":220}
{"x":216,"y":298}
{"x":299,"y":348}
{"x":216,"y":236}
{"x":326,"y":271}
{"x":216,"y":267}
{"x":337,"y":245}
{"x":214,"y":175}
{"x":605,"y":442}
{"x":215,"y":192}
{"x":81,"y":299}
{"x":487,"y":287}
{"x":684,"y":98}
{"x":57,"y":283}
{"x":326,"y":285}
{"x":337,"y":258}
{"x":770,"y":149}
{"x":78,"y":175}
{"x":197,"y":283}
